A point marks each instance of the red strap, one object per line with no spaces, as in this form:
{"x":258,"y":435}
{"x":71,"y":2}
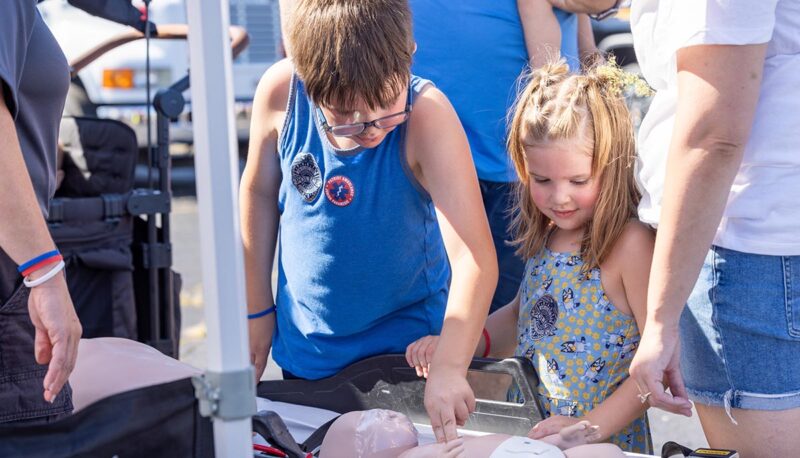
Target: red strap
{"x":42,"y":263}
{"x":269,"y":450}
{"x":488,"y":347}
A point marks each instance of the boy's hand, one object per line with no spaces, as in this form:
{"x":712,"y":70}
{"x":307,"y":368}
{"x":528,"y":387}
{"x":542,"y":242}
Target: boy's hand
{"x":260,"y":340}
{"x":419,"y":354}
{"x":449,"y":401}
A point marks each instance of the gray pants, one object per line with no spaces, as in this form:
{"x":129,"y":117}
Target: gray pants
{"x":21,"y":378}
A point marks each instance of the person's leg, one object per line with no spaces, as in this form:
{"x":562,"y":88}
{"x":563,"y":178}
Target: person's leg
{"x":498,"y":201}
{"x":740,"y":341}
{"x":759,"y":433}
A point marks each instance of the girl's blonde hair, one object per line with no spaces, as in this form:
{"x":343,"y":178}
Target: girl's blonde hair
{"x":559,"y":105}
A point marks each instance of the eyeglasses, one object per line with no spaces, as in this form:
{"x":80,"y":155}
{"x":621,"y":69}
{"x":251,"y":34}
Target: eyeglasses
{"x":349,"y":130}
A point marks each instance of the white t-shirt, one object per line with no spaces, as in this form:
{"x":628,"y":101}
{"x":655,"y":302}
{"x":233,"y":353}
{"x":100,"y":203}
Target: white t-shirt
{"x":763,"y":211}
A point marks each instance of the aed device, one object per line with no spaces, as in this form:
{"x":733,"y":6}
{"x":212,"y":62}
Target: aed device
{"x":714,"y":453}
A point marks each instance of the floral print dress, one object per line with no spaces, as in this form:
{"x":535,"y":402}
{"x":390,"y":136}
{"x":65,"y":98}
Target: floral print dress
{"x":579,"y":343}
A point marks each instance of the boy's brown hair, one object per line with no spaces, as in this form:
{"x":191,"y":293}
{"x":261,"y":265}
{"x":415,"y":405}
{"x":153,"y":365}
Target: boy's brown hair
{"x":346,"y":50}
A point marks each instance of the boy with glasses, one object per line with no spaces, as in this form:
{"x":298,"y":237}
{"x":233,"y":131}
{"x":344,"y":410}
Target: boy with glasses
{"x":367,"y":172}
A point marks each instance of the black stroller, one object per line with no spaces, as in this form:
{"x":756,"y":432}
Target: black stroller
{"x":96,"y":222}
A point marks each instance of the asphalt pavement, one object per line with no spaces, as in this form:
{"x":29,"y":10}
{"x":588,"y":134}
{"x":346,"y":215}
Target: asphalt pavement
{"x":187,"y":261}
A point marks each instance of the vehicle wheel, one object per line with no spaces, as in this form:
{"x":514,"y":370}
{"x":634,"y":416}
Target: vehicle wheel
{"x":78,"y":103}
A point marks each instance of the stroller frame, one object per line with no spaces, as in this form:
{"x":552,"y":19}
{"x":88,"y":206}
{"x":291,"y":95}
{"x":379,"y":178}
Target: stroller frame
{"x":154,"y":254}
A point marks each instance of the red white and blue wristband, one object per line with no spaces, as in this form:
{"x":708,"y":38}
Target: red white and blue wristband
{"x":269,"y":310}
{"x":37,"y":263}
{"x":27,"y":268}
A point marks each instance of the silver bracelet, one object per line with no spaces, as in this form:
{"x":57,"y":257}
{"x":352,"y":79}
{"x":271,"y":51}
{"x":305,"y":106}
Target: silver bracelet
{"x":50,"y":274}
{"x":607,"y":13}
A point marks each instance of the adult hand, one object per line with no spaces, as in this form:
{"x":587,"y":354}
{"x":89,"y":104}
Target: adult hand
{"x":419,"y":354}
{"x":260,"y":340}
{"x":656,"y":366}
{"x":449,"y":400}
{"x":58,"y":332}
{"x":552,"y":425}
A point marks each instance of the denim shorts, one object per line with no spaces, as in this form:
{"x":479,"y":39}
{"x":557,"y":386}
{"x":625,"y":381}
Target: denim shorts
{"x":740,"y":332}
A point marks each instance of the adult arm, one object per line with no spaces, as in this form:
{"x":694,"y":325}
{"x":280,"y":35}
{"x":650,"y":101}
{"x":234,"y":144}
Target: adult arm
{"x":718,"y":87}
{"x":286,"y":7}
{"x":584,"y":6}
{"x":258,"y":199}
{"x":586,"y":44}
{"x":541,"y":30}
{"x":24,"y":235}
{"x":440,"y":157}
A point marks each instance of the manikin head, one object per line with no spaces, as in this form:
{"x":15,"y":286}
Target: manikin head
{"x":373,"y":433}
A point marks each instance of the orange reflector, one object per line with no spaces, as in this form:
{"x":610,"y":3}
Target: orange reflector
{"x":120,"y":78}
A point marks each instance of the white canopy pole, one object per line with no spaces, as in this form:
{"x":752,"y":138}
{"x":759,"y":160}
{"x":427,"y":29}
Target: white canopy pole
{"x":217,"y":172}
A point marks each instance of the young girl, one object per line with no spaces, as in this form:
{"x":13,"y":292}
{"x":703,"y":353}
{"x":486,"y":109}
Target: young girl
{"x":581,"y":305}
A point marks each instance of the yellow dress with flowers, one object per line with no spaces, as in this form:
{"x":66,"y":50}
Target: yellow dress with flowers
{"x":579,"y":343}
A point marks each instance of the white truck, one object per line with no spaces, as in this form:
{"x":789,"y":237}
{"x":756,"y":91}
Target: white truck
{"x":114,"y":85}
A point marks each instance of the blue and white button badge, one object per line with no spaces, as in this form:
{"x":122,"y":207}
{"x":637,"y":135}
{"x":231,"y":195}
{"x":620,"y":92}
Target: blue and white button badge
{"x":306,"y":176}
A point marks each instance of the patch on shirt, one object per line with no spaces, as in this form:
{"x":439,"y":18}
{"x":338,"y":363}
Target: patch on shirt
{"x":544,"y":314}
{"x":340,"y":190}
{"x":306,"y":176}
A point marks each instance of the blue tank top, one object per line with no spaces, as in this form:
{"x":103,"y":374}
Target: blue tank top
{"x":474,"y":50}
{"x":362,"y":268}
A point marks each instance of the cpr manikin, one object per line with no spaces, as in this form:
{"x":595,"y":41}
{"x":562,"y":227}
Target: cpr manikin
{"x":387,"y":434}
{"x":107,"y":366}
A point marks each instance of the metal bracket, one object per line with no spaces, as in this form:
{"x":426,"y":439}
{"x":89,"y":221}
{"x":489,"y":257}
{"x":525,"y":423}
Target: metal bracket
{"x":226,"y":395}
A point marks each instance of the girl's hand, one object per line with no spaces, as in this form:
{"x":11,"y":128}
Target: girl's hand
{"x":656,"y":366}
{"x":419,"y":354}
{"x":552,"y":425}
